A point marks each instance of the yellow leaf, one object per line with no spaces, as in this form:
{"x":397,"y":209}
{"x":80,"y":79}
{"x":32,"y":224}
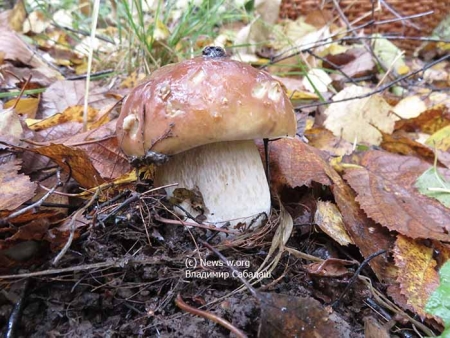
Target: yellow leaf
{"x":440,"y":139}
{"x":26,"y":106}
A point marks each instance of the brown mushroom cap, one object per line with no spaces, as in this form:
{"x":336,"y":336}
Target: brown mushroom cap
{"x":201,"y":101}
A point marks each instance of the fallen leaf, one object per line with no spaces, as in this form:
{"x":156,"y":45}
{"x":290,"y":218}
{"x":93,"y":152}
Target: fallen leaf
{"x":16,"y":188}
{"x":331,"y":267}
{"x":324,"y":139}
{"x":359,"y":120}
{"x":389,"y":54}
{"x":287,"y":316}
{"x":373,"y":329}
{"x":11,"y":130}
{"x":26,"y":106}
{"x":75,"y":162}
{"x":440,"y":139}
{"x":428,"y":122}
{"x":16,"y":49}
{"x":64,"y":94}
{"x":329,"y":219}
{"x":317,"y":81}
{"x":368,"y":236}
{"x":70,"y":114}
{"x":433,"y":185}
{"x":400,"y":143}
{"x":410,"y":107}
{"x":268,"y":10}
{"x":354,"y":63}
{"x":36,"y":23}
{"x":417,"y":276}
{"x":294,"y":164}
{"x":385,"y":188}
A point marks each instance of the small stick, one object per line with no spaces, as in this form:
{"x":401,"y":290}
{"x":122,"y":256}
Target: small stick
{"x":208,"y":315}
{"x":189,"y":224}
{"x":355,"y":276}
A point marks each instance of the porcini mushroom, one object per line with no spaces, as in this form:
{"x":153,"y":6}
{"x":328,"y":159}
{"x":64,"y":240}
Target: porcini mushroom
{"x":205,"y":113}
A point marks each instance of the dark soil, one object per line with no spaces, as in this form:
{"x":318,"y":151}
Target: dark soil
{"x":135,"y":295}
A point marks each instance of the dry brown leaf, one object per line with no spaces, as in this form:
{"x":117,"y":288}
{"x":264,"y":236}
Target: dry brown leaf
{"x":331,"y":267}
{"x":359,"y":120}
{"x":386,"y":192}
{"x":75,"y":162}
{"x":16,"y":49}
{"x":31,"y":215}
{"x":400,"y":143}
{"x":368,"y":236}
{"x":294,"y":164}
{"x":359,"y":63}
{"x":64,"y":94}
{"x":329,"y":219}
{"x":16,"y":188}
{"x":417,"y":276}
{"x":428,"y":122}
{"x":324,"y":139}
{"x":11,"y":130}
{"x":287,"y":316}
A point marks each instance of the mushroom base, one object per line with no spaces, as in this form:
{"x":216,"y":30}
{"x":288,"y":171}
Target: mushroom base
{"x":222,"y":183}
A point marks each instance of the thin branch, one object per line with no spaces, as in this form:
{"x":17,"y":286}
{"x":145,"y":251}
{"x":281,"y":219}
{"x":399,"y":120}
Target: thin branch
{"x":208,"y":315}
{"x":379,"y":90}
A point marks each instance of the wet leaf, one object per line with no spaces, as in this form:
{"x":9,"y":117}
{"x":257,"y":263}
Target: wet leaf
{"x":71,"y":114}
{"x":368,"y":236}
{"x":287,"y":316}
{"x":324,"y":139}
{"x":294,"y":164}
{"x":75,"y":162}
{"x":16,"y":188}
{"x":439,"y":302}
{"x":331,"y":267}
{"x":329,"y":219}
{"x":417,"y":275}
{"x":359,"y":120}
{"x":428,"y":122}
{"x":400,"y":143}
{"x":432,"y":184}
{"x":385,"y":188}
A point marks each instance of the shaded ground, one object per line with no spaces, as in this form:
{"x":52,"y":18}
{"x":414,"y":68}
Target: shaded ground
{"x":135,"y":294}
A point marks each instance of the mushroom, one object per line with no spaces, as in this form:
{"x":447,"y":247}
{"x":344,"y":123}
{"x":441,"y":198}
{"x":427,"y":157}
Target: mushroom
{"x":205,"y":113}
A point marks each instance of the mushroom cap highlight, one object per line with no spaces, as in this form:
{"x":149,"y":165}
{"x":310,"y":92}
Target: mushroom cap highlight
{"x":200,"y":101}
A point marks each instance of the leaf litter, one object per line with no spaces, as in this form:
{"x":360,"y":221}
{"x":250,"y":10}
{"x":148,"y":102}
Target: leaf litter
{"x":366,"y":199}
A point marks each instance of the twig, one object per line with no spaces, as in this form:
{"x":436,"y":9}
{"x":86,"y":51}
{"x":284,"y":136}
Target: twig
{"x":16,"y":314}
{"x":189,"y":224}
{"x":355,"y":276}
{"x":72,"y":227}
{"x":37,"y":204}
{"x":208,"y":315}
{"x":85,"y":33}
{"x":380,"y":89}
{"x":112,"y":263}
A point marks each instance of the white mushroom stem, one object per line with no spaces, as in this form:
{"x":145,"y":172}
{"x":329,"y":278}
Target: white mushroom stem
{"x":230,"y":177}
